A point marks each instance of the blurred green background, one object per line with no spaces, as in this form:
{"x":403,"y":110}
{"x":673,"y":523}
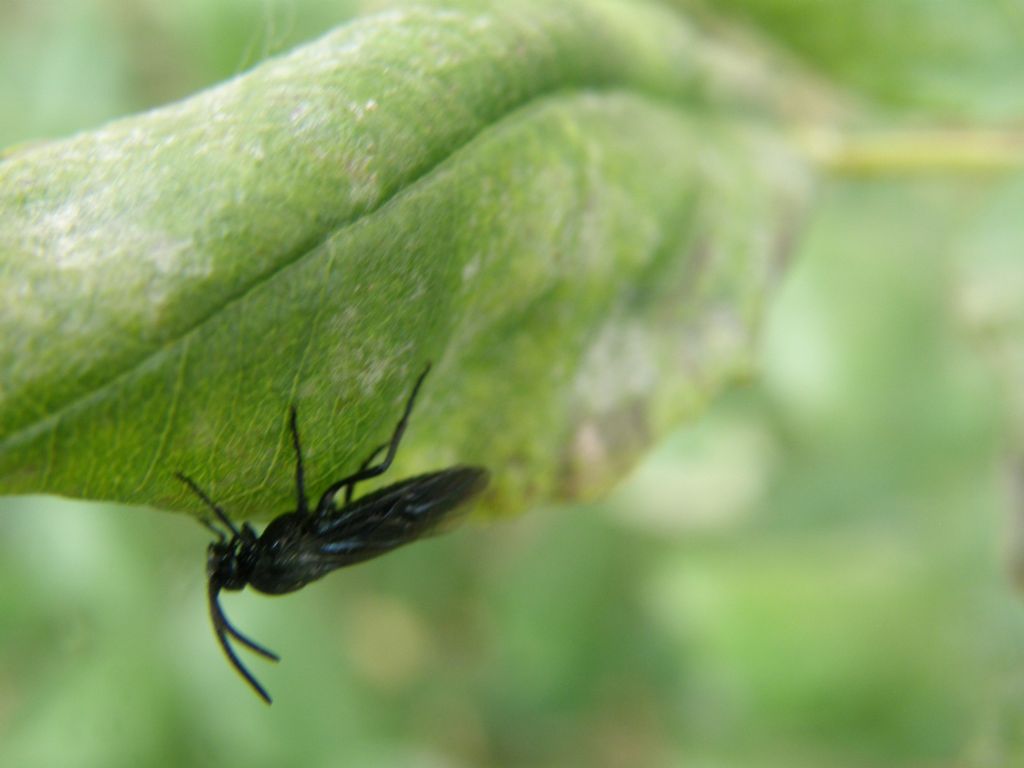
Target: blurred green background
{"x":818,"y":572}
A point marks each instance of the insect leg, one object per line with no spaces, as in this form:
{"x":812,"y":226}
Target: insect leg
{"x":300,"y":486}
{"x":221,"y":514}
{"x":351,"y":487}
{"x":327,"y":500}
{"x":222,"y":628}
{"x":217,"y":531}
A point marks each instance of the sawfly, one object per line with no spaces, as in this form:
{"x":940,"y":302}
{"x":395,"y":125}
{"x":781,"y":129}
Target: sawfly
{"x":302,"y":546}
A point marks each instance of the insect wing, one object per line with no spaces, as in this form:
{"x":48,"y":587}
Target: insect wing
{"x":395,"y":515}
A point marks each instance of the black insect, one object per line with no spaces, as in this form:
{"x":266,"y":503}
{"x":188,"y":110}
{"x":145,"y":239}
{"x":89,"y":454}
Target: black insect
{"x":302,"y":546}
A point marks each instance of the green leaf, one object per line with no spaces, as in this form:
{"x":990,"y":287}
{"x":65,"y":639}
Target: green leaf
{"x":951,"y":59}
{"x":558,"y":206}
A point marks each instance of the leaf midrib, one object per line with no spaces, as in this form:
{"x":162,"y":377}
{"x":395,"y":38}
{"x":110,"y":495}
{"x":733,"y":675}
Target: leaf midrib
{"x":51,"y":420}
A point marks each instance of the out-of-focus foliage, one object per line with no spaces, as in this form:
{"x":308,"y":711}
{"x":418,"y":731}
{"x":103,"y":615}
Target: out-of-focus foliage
{"x":941,"y":58}
{"x":69,"y":65}
{"x":814,"y":574}
{"x":811,"y":575}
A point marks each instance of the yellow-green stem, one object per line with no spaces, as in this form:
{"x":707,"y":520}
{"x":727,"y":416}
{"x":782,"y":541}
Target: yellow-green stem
{"x":900,"y":153}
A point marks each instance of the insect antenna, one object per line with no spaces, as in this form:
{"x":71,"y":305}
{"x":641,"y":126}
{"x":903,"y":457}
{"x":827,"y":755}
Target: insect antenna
{"x":245,"y":640}
{"x":222,"y":628}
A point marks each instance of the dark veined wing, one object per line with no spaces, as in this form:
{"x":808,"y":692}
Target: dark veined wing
{"x":392,"y":516}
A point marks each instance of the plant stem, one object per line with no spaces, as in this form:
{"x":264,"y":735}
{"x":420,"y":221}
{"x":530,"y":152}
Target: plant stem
{"x":901,"y":153}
